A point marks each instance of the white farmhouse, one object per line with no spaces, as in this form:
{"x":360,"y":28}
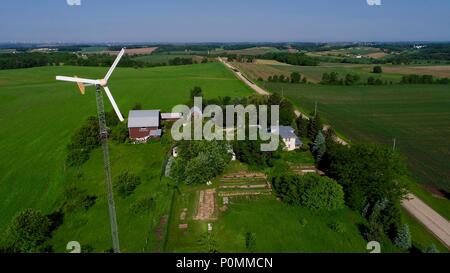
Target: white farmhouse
{"x":287,"y":134}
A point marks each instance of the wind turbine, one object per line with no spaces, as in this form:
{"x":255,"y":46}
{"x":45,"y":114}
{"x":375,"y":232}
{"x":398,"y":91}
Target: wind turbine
{"x":82,"y":83}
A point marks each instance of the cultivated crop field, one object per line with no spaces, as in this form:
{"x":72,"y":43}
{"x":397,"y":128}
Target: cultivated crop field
{"x":39,"y":116}
{"x":253,"y":51}
{"x":418,"y":116}
{"x":314,"y":74}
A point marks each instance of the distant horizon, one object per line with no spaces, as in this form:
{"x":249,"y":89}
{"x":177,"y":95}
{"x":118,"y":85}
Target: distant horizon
{"x":222,"y":42}
{"x":203,"y":21}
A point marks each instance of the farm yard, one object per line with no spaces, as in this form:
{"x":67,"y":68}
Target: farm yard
{"x":367,"y":52}
{"x":189,"y":218}
{"x":33,"y":168}
{"x":248,"y":207}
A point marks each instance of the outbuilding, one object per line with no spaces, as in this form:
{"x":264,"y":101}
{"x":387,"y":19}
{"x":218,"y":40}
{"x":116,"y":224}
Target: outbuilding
{"x":144,"y":124}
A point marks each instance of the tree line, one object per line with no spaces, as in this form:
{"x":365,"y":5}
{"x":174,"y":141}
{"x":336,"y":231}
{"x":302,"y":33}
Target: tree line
{"x":300,"y":59}
{"x":28,"y":60}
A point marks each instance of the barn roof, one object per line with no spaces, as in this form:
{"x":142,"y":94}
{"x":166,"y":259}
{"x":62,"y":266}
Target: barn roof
{"x":143,"y":118}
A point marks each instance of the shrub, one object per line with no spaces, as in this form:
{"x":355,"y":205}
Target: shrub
{"x":338,"y":227}
{"x":320,"y":193}
{"x":143,"y":205}
{"x":377,"y":69}
{"x":431,"y":249}
{"x":303,"y":222}
{"x":403,"y":239}
{"x":126,"y":183}
{"x":119,"y":133}
{"x":77,"y":199}
{"x":28,"y":232}
{"x":208,"y":243}
{"x":351,"y":79}
{"x":310,"y":191}
{"x":250,"y":242}
{"x":373,"y":232}
{"x":77,"y":157}
{"x":83,"y":141}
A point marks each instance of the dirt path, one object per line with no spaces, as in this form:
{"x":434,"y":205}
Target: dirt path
{"x":263,"y":92}
{"x":433,"y":221}
{"x":236,"y":71}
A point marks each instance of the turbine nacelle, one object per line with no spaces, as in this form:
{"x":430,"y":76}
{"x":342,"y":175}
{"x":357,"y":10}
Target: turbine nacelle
{"x":103,"y":82}
{"x":82,"y":83}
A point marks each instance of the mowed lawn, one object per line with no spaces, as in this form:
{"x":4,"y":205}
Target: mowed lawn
{"x":417,"y":116}
{"x":277,"y":227}
{"x":39,"y":115}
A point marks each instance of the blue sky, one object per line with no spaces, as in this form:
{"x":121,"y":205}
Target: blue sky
{"x":223,"y":21}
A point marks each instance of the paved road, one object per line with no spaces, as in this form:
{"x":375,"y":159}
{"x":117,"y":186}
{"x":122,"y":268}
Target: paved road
{"x":433,"y":221}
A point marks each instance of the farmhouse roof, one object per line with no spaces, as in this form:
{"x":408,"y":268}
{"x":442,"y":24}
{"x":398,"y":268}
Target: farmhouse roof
{"x":286,"y":132}
{"x":143,"y":118}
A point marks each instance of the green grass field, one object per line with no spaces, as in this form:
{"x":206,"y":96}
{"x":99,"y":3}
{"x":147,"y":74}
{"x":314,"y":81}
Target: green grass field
{"x":137,"y":231}
{"x":418,"y":116}
{"x":39,"y":116}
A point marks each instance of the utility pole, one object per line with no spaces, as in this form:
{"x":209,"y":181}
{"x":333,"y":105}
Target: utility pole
{"x":395,"y":144}
{"x":315,"y":110}
{"x":107,"y":169}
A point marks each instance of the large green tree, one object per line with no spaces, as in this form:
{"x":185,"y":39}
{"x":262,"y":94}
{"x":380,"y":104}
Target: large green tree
{"x":369,"y":173}
{"x":200,"y":161}
{"x":28,"y":232}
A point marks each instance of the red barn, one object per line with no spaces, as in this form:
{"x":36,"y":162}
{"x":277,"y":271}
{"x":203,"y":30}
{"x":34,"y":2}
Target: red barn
{"x":144,"y":124}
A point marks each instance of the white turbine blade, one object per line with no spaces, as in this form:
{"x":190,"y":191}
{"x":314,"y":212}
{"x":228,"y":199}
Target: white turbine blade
{"x":116,"y":62}
{"x":113,"y":103}
{"x":77,"y":80}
